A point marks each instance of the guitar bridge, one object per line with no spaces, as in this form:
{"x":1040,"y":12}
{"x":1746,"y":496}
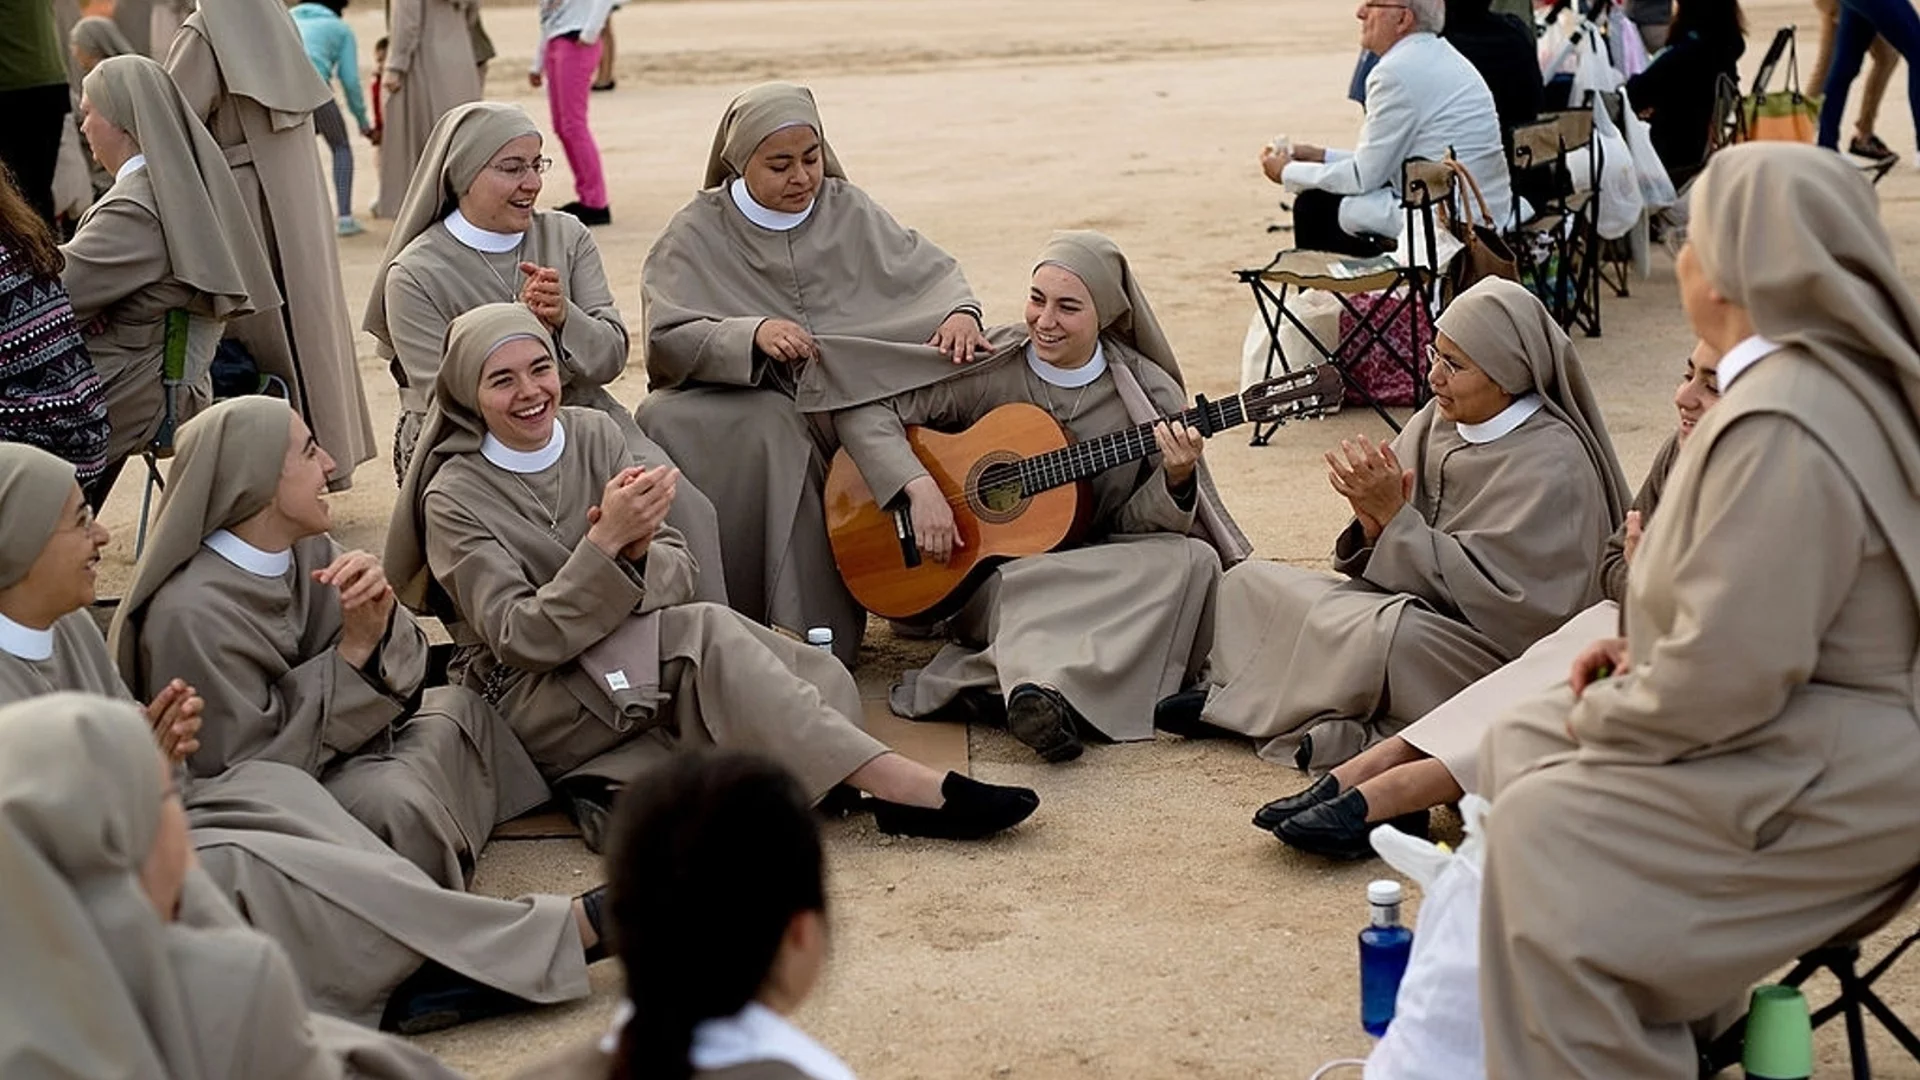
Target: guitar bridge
{"x":903,"y":531}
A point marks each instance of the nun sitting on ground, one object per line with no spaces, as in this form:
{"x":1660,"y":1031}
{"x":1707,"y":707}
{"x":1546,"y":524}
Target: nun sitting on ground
{"x":783,"y":291}
{"x":1477,"y":532}
{"x":528,"y":528}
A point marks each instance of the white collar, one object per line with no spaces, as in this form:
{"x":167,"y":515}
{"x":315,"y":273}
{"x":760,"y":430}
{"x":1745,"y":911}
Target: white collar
{"x":480,"y":239}
{"x":1518,"y":412}
{"x":24,"y":641}
{"x":266,"y":564}
{"x":1417,"y":35}
{"x":525,"y":461}
{"x":1743,"y":356}
{"x":1068,"y":378}
{"x":777,"y":220}
{"x":757,"y":1033}
{"x":133,"y":164}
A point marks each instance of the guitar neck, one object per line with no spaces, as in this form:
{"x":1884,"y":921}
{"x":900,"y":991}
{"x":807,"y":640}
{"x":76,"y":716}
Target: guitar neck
{"x":1083,"y":460}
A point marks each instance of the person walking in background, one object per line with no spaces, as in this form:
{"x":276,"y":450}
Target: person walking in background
{"x":33,"y":97}
{"x":1864,"y":142}
{"x":331,"y":46}
{"x":603,"y":74}
{"x":1860,"y":20}
{"x":567,"y":60}
{"x":430,"y":67}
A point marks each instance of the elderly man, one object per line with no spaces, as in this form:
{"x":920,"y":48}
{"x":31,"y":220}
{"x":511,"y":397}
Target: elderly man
{"x":1423,"y":99}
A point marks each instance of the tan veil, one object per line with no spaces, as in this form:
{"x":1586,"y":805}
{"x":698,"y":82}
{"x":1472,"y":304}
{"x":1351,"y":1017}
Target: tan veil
{"x":100,"y":37}
{"x":261,"y":57}
{"x":34,"y":488}
{"x":757,"y":113}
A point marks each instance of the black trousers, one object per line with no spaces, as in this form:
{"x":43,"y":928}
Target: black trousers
{"x":1316,"y":226}
{"x":30,"y":141}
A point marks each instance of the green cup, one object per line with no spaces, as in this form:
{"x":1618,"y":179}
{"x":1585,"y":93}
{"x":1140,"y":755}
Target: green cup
{"x":1779,"y":1042}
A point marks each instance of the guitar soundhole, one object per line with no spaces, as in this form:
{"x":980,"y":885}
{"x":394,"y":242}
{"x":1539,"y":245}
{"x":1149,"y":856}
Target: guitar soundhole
{"x":993,"y":488}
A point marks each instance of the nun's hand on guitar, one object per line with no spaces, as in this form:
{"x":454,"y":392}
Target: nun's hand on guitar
{"x":1180,"y":450}
{"x":785,"y":341}
{"x":1369,"y":475}
{"x":933,"y":527}
{"x":960,"y":337}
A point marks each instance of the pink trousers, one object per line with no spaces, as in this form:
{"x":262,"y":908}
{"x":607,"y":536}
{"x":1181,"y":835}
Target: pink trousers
{"x":570,"y":67}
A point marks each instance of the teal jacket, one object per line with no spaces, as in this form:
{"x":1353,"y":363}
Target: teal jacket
{"x":331,"y":47}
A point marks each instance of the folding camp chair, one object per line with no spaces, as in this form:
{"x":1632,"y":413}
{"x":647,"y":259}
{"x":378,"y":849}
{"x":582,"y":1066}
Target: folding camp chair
{"x":1558,"y":249}
{"x":1425,"y":185}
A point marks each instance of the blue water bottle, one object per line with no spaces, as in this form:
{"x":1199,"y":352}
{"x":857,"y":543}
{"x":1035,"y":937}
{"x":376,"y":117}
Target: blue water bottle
{"x":1385,"y":946}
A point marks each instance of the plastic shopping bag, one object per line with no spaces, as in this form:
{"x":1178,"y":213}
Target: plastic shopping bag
{"x":1621,"y":203}
{"x":1656,"y":187}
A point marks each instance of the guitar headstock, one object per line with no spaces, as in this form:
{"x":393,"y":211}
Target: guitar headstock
{"x":1307,"y":392}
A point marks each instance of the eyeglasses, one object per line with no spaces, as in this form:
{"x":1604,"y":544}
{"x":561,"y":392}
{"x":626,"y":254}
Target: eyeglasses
{"x":515,"y":168}
{"x":1397,"y":7}
{"x":1435,"y":358}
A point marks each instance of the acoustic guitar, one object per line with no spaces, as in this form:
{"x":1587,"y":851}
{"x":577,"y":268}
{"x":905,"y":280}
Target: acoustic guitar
{"x":1017,"y":484}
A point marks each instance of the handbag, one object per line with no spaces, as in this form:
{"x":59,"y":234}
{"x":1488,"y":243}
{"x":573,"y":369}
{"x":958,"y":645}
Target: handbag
{"x":1484,"y":252}
{"x":1784,"y":116}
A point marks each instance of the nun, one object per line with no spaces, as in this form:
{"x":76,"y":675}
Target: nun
{"x":171,"y":236}
{"x":122,"y":959}
{"x":243,"y":71}
{"x":1744,"y":785}
{"x":529,"y":530}
{"x":784,"y":290}
{"x":372,"y":938}
{"x":94,"y":39}
{"x":1081,"y":641}
{"x":299,"y":651}
{"x":431,"y":67}
{"x":1475,"y":533}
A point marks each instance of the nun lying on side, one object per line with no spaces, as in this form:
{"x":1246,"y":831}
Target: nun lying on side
{"x":122,"y":959}
{"x":529,"y":530}
{"x":371,"y":937}
{"x":300,"y":651}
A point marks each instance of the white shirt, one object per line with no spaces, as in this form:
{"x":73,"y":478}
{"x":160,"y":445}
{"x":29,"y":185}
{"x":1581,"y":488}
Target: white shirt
{"x":24,"y":641}
{"x":777,"y":220}
{"x":757,"y":1033}
{"x":1743,"y":356}
{"x":255,"y":561}
{"x":1423,"y":98}
{"x":480,"y":239}
{"x":526,"y":462}
{"x":1069,"y":378}
{"x":133,"y":165}
{"x":584,"y":17}
{"x":1517,"y":412}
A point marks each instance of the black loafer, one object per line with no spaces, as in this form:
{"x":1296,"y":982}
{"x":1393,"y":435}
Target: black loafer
{"x":973,"y":810}
{"x":435,"y":997}
{"x":974,"y":706}
{"x":593,"y":902}
{"x":1040,"y":717}
{"x":1179,"y":714}
{"x":1338,"y":828}
{"x":1271,"y":815}
{"x":590,"y":801}
{"x":841,"y":800}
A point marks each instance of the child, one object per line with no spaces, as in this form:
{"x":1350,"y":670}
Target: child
{"x":373,"y":90}
{"x":569,"y":53}
{"x":331,"y":46}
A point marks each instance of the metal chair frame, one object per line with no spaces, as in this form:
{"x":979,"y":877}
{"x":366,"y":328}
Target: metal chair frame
{"x":1568,"y":221}
{"x":1855,"y":999}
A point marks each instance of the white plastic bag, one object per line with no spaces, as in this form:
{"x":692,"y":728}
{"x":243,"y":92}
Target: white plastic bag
{"x":1593,"y":72}
{"x":1621,"y":203}
{"x":1436,"y":1032}
{"x":1318,"y":310}
{"x":1656,"y":187}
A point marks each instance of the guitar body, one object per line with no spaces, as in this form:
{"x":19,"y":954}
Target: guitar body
{"x":994,"y":521}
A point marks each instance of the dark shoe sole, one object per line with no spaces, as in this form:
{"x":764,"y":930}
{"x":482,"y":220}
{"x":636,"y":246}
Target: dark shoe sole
{"x":1044,"y":723}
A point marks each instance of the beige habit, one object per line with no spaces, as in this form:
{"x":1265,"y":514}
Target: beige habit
{"x":430,"y":771}
{"x":242,"y":69}
{"x":869,"y":291}
{"x":1499,"y":545}
{"x":355,"y":918}
{"x":99,"y":987}
{"x":430,"y":44}
{"x":169,"y":235}
{"x":501,"y":556}
{"x":1453,"y":731}
{"x":1751,"y":786}
{"x":1115,"y":623}
{"x":431,"y":275}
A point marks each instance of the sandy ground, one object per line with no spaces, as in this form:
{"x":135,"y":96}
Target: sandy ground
{"x":1137,"y":926}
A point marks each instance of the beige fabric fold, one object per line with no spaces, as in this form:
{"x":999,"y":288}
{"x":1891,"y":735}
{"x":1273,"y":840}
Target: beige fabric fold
{"x":261,"y":57}
{"x":757,"y":113}
{"x":100,"y":37}
{"x":1512,"y":337}
{"x":463,"y":140}
{"x":211,"y":243}
{"x":34,"y":487}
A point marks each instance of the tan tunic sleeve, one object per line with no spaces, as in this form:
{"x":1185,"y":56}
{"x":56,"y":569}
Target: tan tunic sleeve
{"x":593,"y":340}
{"x":1613,"y":561}
{"x":195,"y":70}
{"x":405,"y":20}
{"x":684,"y":345}
{"x":118,"y":250}
{"x":418,"y":330}
{"x":1154,"y":509}
{"x":245,"y":1004}
{"x":876,"y":435}
{"x":303,"y":717}
{"x":1748,"y":616}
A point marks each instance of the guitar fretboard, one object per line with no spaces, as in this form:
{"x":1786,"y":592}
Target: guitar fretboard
{"x":1070,"y":464}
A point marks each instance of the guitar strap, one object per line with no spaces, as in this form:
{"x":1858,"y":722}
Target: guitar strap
{"x":1216,"y":526}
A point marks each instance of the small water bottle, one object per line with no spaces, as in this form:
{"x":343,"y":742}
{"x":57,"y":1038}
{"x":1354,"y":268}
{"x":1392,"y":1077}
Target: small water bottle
{"x":821,"y":637}
{"x":1385,"y":946}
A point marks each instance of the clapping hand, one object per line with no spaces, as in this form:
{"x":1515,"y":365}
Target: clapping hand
{"x":175,"y":716}
{"x":631,"y":510}
{"x":1369,"y":475}
{"x":542,"y":294}
{"x":1634,"y":532}
{"x":366,"y":603}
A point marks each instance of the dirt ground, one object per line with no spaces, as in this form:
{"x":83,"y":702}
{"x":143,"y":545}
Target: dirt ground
{"x":1137,"y":926}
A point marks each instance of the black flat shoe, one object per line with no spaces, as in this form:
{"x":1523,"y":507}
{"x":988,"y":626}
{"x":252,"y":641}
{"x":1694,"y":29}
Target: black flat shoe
{"x":1040,"y":717}
{"x":592,"y":902}
{"x":840,"y":801}
{"x":602,"y":87}
{"x":972,"y":706}
{"x":1338,"y":828}
{"x":1271,"y":815}
{"x":590,"y":802}
{"x":973,"y":810}
{"x":435,"y":997}
{"x":1179,"y":714}
{"x":588,"y":215}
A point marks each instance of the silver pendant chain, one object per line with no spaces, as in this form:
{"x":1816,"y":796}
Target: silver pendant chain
{"x":486,"y":259}
{"x":553,"y":516}
{"x":1054,"y":406}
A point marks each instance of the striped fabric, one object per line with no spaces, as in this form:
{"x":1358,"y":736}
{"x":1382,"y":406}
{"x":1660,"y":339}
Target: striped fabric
{"x":50,"y":395}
